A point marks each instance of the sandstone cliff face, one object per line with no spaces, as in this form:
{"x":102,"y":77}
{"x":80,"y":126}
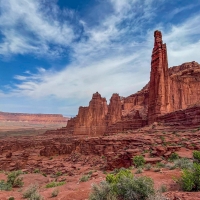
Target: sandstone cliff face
{"x":4,"y":116}
{"x":169,"y":90}
{"x":189,"y":117}
{"x":114,"y":110}
{"x":136,"y":102}
{"x":90,"y":120}
{"x":184,"y":84}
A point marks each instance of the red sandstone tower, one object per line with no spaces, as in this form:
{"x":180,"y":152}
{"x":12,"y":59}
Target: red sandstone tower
{"x":159,"y":78}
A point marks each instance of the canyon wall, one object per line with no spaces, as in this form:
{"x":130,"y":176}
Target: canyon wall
{"x":184,"y":81}
{"x":90,"y":120}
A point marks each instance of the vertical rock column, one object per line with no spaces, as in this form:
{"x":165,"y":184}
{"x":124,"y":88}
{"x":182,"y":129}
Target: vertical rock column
{"x":114,"y":110}
{"x":159,"y":78}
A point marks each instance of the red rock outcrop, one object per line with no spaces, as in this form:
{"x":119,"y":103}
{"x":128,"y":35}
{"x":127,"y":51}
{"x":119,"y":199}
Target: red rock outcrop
{"x":159,"y":80}
{"x":189,"y":117}
{"x":184,"y":82}
{"x":90,"y":120}
{"x":4,"y":116}
{"x":169,"y":90}
{"x":114,"y":110}
{"x":136,"y":102}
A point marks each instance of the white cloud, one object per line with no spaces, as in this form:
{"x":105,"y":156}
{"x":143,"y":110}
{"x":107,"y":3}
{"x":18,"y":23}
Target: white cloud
{"x":27,"y":27}
{"x":107,"y":60}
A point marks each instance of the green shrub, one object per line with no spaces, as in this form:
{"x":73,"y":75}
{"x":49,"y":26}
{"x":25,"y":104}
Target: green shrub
{"x":58,"y":173}
{"x":196,"y":156}
{"x":190,"y":178}
{"x":162,"y":189}
{"x":136,"y":188}
{"x":103,"y":191}
{"x":147,"y":166}
{"x":157,"y":196}
{"x":55,"y":193}
{"x":156,"y":169}
{"x":172,"y":167}
{"x":14,"y":179}
{"x":5,"y":186}
{"x":138,"y":161}
{"x":183,"y":163}
{"x":173,"y":156}
{"x":11,"y":198}
{"x":36,"y":171}
{"x":114,"y":178}
{"x":85,"y":178}
{"x":30,"y":190}
{"x":123,"y":185}
{"x":139,"y":171}
{"x":160,"y":165}
{"x":36,"y":196}
{"x":54,"y":184}
{"x":44,"y":174}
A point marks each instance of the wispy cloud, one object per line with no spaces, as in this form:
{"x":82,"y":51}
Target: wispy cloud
{"x":27,"y":27}
{"x":111,"y":56}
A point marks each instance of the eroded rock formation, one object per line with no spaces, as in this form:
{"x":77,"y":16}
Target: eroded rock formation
{"x":159,"y":80}
{"x":169,"y":90}
{"x":90,"y":120}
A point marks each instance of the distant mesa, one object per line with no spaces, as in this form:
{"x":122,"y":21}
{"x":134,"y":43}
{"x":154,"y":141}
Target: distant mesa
{"x":25,"y":117}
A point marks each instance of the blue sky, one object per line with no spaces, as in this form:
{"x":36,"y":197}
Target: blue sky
{"x":54,"y":54}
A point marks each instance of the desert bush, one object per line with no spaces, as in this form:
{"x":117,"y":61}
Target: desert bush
{"x":123,"y":185}
{"x":190,"y":178}
{"x":138,"y":161}
{"x":54,"y":184}
{"x":55,"y":193}
{"x":162,"y":189}
{"x":160,"y":165}
{"x":14,"y":179}
{"x":114,"y":178}
{"x":85,"y":178}
{"x":157,"y":196}
{"x":183,"y":163}
{"x":30,"y":190}
{"x":139,"y":171}
{"x":147,"y":166}
{"x":11,"y":198}
{"x":196,"y":156}
{"x":5,"y":186}
{"x":156,"y":169}
{"x":36,"y":196}
{"x":36,"y":171}
{"x":173,"y":156}
{"x":103,"y":191}
{"x":136,"y":188}
{"x":58,"y":173}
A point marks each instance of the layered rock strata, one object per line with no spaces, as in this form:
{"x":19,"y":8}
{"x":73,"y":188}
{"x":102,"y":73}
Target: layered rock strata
{"x":4,"y":116}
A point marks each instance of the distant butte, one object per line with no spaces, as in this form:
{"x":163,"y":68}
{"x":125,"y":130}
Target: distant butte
{"x":26,"y":117}
{"x":169,"y":90}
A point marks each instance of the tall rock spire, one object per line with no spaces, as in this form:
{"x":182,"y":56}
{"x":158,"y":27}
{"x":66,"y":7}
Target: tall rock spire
{"x":159,"y":78}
